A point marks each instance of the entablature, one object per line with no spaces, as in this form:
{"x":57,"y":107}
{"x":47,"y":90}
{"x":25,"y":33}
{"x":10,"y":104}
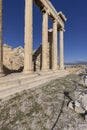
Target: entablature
{"x":52,"y":11}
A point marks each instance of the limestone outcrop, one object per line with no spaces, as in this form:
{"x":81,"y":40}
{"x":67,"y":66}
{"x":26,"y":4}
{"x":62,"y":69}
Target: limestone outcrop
{"x":13,"y":58}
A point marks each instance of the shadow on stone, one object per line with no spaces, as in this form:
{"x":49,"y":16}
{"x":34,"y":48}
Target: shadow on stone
{"x":9,"y":71}
{"x":67,"y":95}
{"x":37,"y":55}
{"x":82,"y":115}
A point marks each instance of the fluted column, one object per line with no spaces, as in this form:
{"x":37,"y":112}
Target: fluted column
{"x":44,"y":40}
{"x":28,"y":40}
{"x":61,"y":49}
{"x":54,"y":46}
{"x":1,"y":49}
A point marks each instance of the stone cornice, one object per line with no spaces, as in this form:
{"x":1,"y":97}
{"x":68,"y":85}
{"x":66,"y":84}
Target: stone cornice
{"x":53,"y":13}
{"x":62,"y":16}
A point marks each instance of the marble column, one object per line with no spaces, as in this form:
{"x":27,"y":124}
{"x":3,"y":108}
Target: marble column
{"x":28,"y":39}
{"x":1,"y":49}
{"x":61,"y":49}
{"x":44,"y":40}
{"x":54,"y":46}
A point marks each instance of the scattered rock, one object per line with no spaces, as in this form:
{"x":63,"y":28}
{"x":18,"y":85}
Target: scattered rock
{"x":79,"y":110}
{"x":71,"y":105}
{"x":83,"y":99}
{"x":80,"y":104}
{"x":75,"y":105}
{"x":78,"y":107}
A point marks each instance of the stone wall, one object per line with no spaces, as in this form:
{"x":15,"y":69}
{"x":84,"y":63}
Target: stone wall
{"x":37,"y":58}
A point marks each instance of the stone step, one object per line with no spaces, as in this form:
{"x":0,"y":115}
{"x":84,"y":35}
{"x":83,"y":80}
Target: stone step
{"x":21,"y":81}
{"x":17,"y":82}
{"x":16,"y":79}
{"x":20,"y":88}
{"x":13,"y":87}
{"x":16,"y":76}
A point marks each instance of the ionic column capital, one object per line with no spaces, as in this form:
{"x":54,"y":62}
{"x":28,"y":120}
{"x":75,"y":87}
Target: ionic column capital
{"x":55,"y":21}
{"x":45,"y":10}
{"x":62,"y":29}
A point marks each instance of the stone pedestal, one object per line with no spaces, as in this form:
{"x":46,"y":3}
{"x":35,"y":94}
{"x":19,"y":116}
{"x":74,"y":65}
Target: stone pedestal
{"x":28,"y":40}
{"x":61,"y":50}
{"x":44,"y":40}
{"x":54,"y":46}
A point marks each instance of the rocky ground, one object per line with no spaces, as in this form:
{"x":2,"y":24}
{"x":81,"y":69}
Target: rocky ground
{"x":44,"y":108}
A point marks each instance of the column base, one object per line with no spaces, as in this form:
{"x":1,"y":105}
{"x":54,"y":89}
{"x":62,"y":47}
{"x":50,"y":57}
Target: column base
{"x":55,"y":70}
{"x":27,"y":72}
{"x":44,"y":70}
{"x":61,"y":68}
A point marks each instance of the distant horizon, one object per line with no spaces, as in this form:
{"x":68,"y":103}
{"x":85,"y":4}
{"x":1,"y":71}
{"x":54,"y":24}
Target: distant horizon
{"x":76,"y":62}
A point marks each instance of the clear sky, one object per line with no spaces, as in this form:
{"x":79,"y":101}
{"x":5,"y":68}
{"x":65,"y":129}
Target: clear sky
{"x":75,"y":36}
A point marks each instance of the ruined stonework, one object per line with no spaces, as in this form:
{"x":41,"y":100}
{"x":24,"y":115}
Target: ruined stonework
{"x":37,"y":58}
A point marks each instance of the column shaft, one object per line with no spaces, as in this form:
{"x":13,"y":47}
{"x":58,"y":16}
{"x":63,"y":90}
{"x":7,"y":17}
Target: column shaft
{"x":54,"y":46}
{"x":28,"y":40}
{"x":44,"y":40}
{"x":61,"y":50}
{"x":1,"y":48}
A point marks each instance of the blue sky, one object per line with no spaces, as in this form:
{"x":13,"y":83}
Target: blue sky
{"x":75,"y":36}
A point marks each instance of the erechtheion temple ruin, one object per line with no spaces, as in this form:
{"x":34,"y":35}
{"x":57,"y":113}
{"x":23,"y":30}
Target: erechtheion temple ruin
{"x":49,"y":59}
